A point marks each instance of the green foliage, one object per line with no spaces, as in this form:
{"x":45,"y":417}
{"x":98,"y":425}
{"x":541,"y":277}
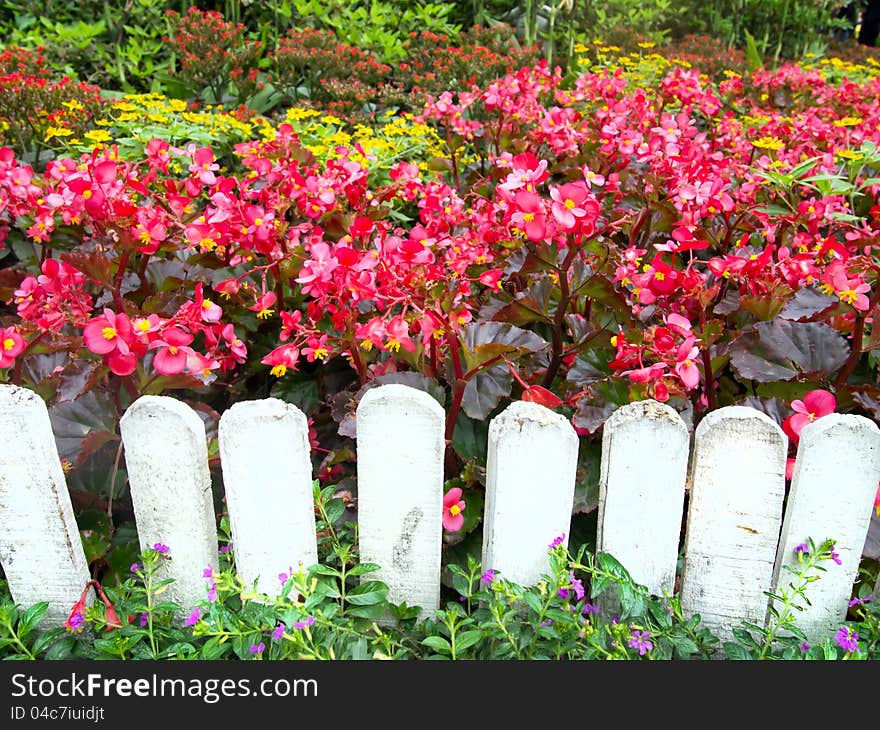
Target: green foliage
{"x":586,"y":606}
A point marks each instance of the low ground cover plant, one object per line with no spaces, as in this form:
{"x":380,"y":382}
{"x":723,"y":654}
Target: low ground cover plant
{"x":586,"y":607}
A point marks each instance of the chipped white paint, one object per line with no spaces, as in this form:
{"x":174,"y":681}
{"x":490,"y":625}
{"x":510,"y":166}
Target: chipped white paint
{"x":167,"y":461}
{"x":734,"y":517}
{"x":645,"y":449}
{"x":40,"y":547}
{"x":267,"y":475}
{"x":832,"y":497}
{"x":530,"y":475}
{"x":400,"y":491}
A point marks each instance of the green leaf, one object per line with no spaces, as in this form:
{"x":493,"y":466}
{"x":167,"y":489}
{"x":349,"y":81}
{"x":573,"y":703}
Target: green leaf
{"x":95,"y":532}
{"x":753,"y":57}
{"x":467,"y":639}
{"x":373,"y":611}
{"x":324,"y":570}
{"x":367,"y":594}
{"x":470,"y":440}
{"x":736,"y":652}
{"x":363,"y":568}
{"x":31,"y":617}
{"x":684,"y":647}
{"x":438,"y":643}
{"x":303,"y":392}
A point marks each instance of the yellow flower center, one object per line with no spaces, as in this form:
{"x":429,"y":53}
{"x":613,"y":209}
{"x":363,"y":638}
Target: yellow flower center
{"x":569,"y":203}
{"x":108,"y":333}
{"x":455,"y":510}
{"x":321,"y":353}
{"x":528,"y":217}
{"x":279,"y":371}
{"x":8,"y":343}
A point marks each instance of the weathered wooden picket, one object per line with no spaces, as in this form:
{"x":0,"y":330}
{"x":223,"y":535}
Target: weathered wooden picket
{"x":739,"y":532}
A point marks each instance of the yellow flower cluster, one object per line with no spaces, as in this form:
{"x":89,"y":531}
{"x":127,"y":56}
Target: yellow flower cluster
{"x":394,"y":138}
{"x":134,"y":119}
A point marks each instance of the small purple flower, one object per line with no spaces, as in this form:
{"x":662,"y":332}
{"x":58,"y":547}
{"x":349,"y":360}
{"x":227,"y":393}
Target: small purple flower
{"x":835,"y":556}
{"x":135,"y":567}
{"x":564,"y":593}
{"x":304,"y":624}
{"x":160,"y":548}
{"x":847,"y":639}
{"x":557,"y":541}
{"x":226,"y":548}
{"x":805,"y":647}
{"x":208,"y":572}
{"x":577,"y":586}
{"x":75,"y":622}
{"x":258,"y":648}
{"x":462,"y":599}
{"x":284,"y":577}
{"x":144,"y":619}
{"x":548,"y":622}
{"x":860,"y":601}
{"x":193,"y":618}
{"x":590,"y":608}
{"x":212,"y":593}
{"x":640,"y":641}
{"x":487,"y":577}
{"x":278,"y":632}
{"x":801,"y":550}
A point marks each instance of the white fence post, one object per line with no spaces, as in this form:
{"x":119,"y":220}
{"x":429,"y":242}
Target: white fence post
{"x":645,"y":447}
{"x":167,"y":461}
{"x":734,"y":517}
{"x":400,"y":491}
{"x":40,"y":546}
{"x":530,"y":475}
{"x":832,"y":497}
{"x":267,"y":475}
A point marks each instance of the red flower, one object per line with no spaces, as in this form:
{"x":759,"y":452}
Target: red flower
{"x":530,"y":216}
{"x":453,"y":506}
{"x":12,"y":345}
{"x":816,"y":403}
{"x":173,"y":351}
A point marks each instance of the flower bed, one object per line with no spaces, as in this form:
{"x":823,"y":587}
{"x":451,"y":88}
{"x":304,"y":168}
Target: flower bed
{"x":632,"y":228}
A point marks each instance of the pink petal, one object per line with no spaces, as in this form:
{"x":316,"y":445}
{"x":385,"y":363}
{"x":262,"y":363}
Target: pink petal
{"x":452,"y":523}
{"x":453,"y":496}
{"x":820,"y":402}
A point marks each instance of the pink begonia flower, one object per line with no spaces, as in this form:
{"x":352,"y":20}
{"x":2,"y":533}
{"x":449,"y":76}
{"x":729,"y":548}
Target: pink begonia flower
{"x":686,"y":368}
{"x":12,"y":345}
{"x":816,"y":403}
{"x":453,"y":505}
{"x":173,"y":351}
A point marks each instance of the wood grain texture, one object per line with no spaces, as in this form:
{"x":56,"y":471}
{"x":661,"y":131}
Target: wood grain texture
{"x":645,"y":449}
{"x":267,"y":476}
{"x":167,"y":461}
{"x":530,"y":475}
{"x":400,"y":491}
{"x":40,"y":547}
{"x":832,"y":497}
{"x":734,"y":518}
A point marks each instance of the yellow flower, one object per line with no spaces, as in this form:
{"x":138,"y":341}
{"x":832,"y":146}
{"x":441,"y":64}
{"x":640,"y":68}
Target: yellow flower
{"x":57,"y":132}
{"x":768,"y":143}
{"x":98,"y":135}
{"x":847,"y":122}
{"x":849,"y":154}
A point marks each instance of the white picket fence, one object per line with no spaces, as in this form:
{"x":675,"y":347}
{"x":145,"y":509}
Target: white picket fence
{"x":736,"y":541}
